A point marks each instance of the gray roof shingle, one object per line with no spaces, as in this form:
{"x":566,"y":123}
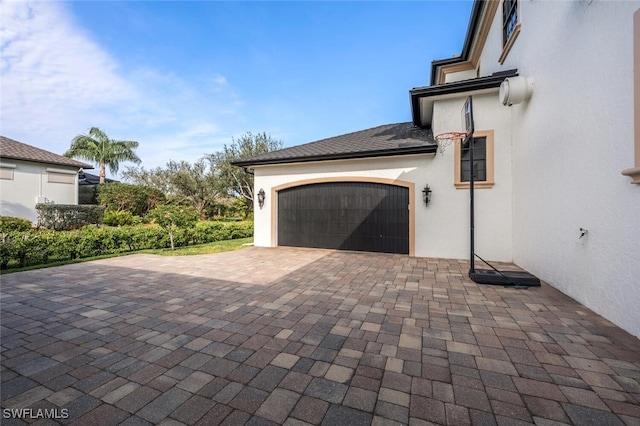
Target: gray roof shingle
{"x":85,"y":178}
{"x":381,"y":141}
{"x":13,"y":149}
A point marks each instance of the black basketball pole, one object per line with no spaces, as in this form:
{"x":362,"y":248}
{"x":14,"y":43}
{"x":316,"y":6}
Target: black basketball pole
{"x":472,"y":266}
{"x":470,"y":128}
{"x":517,"y":279}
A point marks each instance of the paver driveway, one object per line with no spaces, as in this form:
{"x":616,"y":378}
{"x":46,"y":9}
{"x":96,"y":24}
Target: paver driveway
{"x":289,"y":336}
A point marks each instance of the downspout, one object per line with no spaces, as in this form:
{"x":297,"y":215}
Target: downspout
{"x":77,"y":187}
{"x":40,"y":184}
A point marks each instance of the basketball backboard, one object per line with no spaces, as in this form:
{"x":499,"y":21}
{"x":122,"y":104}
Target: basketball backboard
{"x":467,"y":117}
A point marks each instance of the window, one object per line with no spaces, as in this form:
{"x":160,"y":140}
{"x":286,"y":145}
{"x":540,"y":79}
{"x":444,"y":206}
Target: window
{"x":482,"y":161}
{"x":6,"y":171}
{"x":479,"y":160}
{"x":61,"y":177}
{"x":509,"y":19}
{"x":510,"y":26}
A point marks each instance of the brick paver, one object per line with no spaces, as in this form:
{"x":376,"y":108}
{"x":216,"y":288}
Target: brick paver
{"x":300,"y":336}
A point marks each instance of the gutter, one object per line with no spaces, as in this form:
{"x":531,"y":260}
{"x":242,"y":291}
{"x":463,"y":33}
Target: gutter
{"x":465,"y":86}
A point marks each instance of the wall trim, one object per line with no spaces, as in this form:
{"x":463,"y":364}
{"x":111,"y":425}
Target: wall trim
{"x":510,"y":43}
{"x":397,"y":182}
{"x":634,"y":172}
{"x":454,"y":68}
{"x":475,"y":48}
{"x":490,"y":162}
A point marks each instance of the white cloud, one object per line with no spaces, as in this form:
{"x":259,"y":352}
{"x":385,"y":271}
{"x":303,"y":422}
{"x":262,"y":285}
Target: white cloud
{"x":51,"y":72}
{"x":220,"y":82}
{"x":58,"y":82}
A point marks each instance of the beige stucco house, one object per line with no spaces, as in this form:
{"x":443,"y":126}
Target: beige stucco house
{"x":30,"y":175}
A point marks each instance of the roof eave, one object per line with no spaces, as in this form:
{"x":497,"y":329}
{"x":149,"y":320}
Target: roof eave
{"x":423,"y":149}
{"x":474,"y":21}
{"x":458,"y":87}
{"x":79,"y":165}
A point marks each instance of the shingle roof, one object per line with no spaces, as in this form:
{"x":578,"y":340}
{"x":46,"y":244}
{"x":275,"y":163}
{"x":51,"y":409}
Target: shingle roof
{"x":10,"y":148}
{"x":381,"y":141}
{"x":85,"y":178}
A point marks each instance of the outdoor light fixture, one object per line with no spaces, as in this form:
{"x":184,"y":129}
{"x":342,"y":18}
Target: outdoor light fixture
{"x":261,"y":197}
{"x":426,"y":194}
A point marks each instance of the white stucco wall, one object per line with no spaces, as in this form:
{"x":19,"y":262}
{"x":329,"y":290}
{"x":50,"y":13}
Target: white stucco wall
{"x":30,"y":182}
{"x":441,"y":228}
{"x":570,"y":143}
{"x":493,"y":206}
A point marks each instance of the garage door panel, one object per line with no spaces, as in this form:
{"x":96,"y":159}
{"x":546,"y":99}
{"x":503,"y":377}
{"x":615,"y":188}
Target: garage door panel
{"x":345,"y":215}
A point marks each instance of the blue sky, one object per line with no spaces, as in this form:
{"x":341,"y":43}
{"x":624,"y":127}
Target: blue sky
{"x":184,"y":78}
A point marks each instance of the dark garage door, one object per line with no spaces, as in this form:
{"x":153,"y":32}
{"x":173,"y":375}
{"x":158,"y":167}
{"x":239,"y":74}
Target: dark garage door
{"x":345,"y":215}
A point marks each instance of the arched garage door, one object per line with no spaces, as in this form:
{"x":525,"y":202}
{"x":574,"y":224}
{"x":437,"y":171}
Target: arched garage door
{"x":345,"y":215}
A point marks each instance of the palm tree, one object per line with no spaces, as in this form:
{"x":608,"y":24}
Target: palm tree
{"x":97,"y":147}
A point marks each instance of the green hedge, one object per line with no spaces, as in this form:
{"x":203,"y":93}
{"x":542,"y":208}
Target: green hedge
{"x":36,"y":247}
{"x":68,"y":216}
{"x":120,"y":218}
{"x":10,"y":224}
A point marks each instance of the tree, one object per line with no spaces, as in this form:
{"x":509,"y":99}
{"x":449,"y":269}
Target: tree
{"x":157,"y":178}
{"x":172,"y":218}
{"x":236,"y":181}
{"x":100,"y":149}
{"x":135,"y":199}
{"x":195,"y":184}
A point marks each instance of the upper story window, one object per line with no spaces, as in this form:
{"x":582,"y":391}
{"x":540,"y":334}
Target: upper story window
{"x":482,"y":166}
{"x":509,"y":19}
{"x":510,"y":26}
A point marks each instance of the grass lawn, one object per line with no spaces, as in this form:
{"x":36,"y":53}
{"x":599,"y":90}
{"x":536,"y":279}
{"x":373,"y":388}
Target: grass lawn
{"x":209,"y":248}
{"x":215,"y":247}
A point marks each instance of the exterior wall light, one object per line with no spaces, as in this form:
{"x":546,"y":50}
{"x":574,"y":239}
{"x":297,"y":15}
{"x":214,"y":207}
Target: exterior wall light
{"x":261,"y":197}
{"x":426,"y":194}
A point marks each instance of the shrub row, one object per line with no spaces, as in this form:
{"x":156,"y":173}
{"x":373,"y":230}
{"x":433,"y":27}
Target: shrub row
{"x":36,"y":247}
{"x":121,"y":218}
{"x":10,"y":224}
{"x":68,"y":216}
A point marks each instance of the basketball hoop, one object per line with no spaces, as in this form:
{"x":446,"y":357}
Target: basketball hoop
{"x":447,"y":138}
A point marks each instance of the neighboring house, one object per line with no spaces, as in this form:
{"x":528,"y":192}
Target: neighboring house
{"x":556,"y":96}
{"x":87,"y":187}
{"x":30,"y":175}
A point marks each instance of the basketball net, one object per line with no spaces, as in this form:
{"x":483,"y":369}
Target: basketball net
{"x":447,"y":138}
